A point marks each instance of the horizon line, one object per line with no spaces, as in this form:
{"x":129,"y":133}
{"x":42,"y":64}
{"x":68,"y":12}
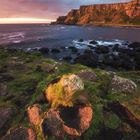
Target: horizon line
{"x":25,"y":20}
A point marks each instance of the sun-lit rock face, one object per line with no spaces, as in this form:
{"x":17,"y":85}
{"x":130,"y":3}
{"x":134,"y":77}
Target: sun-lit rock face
{"x":64,"y":91}
{"x":73,"y":121}
{"x":104,"y":13}
{"x":34,"y":114}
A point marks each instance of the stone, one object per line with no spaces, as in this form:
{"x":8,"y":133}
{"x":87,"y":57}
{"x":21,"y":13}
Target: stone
{"x":20,"y":134}
{"x":34,"y":114}
{"x":6,"y":116}
{"x":52,"y":124}
{"x":119,"y":84}
{"x":88,"y":58}
{"x":88,"y":75}
{"x":44,"y":50}
{"x":55,"y":50}
{"x":102,"y":49}
{"x":125,"y":114}
{"x":61,"y":91}
{"x":73,"y":121}
{"x":93,"y":42}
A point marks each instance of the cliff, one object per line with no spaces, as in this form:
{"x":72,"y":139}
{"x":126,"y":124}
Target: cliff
{"x":118,"y":13}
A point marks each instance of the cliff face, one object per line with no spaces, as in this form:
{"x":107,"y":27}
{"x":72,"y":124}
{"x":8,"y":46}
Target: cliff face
{"x":119,"y":13}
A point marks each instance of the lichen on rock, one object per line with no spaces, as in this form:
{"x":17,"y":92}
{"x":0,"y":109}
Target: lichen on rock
{"x":64,"y":90}
{"x":122,"y":85}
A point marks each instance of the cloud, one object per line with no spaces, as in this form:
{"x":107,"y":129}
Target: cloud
{"x":42,"y":8}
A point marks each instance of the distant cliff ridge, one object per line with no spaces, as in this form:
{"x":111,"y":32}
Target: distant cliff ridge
{"x":118,"y":13}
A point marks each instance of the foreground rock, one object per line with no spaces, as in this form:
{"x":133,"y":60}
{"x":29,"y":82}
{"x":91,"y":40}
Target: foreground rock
{"x":20,"y":134}
{"x":34,"y":114}
{"x":119,"y":84}
{"x":6,"y":116}
{"x":73,"y":121}
{"x":125,"y":114}
{"x":88,"y":75}
{"x":61,"y":91}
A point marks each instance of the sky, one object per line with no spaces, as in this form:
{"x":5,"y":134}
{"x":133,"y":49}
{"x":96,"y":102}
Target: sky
{"x":40,"y":10}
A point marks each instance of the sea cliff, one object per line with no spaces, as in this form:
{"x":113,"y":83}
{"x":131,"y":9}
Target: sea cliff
{"x":117,"y":13}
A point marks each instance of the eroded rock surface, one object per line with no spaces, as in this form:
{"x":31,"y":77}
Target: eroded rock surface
{"x":73,"y":121}
{"x":122,"y":85}
{"x":20,"y":134}
{"x":34,"y":114}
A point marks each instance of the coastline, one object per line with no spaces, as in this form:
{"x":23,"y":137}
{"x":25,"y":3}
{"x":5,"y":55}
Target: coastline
{"x":101,"y":25}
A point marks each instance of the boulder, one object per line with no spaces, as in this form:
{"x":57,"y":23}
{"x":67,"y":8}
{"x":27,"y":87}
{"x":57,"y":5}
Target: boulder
{"x":20,"y":134}
{"x":6,"y":116}
{"x":88,"y":75}
{"x":55,"y":50}
{"x":135,"y":46}
{"x":52,"y":124}
{"x":119,"y":84}
{"x":125,"y":114}
{"x":61,"y":91}
{"x":93,"y":42}
{"x":119,"y":61}
{"x":44,"y":50}
{"x":102,"y":49}
{"x":88,"y":58}
{"x":73,"y":121}
{"x":34,"y":114}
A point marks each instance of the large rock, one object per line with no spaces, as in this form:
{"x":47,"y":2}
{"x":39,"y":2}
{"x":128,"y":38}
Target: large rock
{"x":34,"y":114}
{"x":119,"y":84}
{"x":61,"y":91}
{"x":6,"y":116}
{"x":88,"y":58}
{"x":88,"y":75}
{"x":125,"y":114}
{"x":52,"y":124}
{"x":72,"y":121}
{"x":20,"y":134}
{"x":121,"y":60}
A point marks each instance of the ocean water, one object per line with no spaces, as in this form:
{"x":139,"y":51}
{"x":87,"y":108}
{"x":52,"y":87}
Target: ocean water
{"x":42,"y":35}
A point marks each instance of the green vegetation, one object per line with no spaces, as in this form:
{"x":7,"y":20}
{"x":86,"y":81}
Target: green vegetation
{"x":26,"y":79}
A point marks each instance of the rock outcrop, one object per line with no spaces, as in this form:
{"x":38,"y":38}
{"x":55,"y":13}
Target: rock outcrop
{"x":20,"y":133}
{"x":119,"y":84}
{"x":117,"y":13}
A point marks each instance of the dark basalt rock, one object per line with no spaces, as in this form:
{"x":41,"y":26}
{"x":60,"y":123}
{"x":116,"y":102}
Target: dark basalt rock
{"x":119,"y":61}
{"x":55,"y":50}
{"x":67,"y":58}
{"x":73,"y":49}
{"x":125,"y":114}
{"x":44,"y":50}
{"x":6,"y":116}
{"x":20,"y":134}
{"x":81,"y":40}
{"x":93,"y":42}
{"x":135,"y":46}
{"x":102,"y":49}
{"x":88,"y":58}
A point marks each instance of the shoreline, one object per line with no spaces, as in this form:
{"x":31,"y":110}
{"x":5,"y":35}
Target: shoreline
{"x":101,"y":25}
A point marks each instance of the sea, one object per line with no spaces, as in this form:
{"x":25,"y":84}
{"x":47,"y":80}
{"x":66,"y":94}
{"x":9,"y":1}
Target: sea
{"x":28,"y":36}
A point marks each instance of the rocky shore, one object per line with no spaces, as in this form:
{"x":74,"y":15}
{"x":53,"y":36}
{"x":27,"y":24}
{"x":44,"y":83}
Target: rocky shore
{"x":115,"y":55}
{"x":45,"y":99}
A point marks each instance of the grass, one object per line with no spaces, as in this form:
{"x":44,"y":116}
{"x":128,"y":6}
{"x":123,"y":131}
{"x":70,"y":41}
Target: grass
{"x":97,"y":92}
